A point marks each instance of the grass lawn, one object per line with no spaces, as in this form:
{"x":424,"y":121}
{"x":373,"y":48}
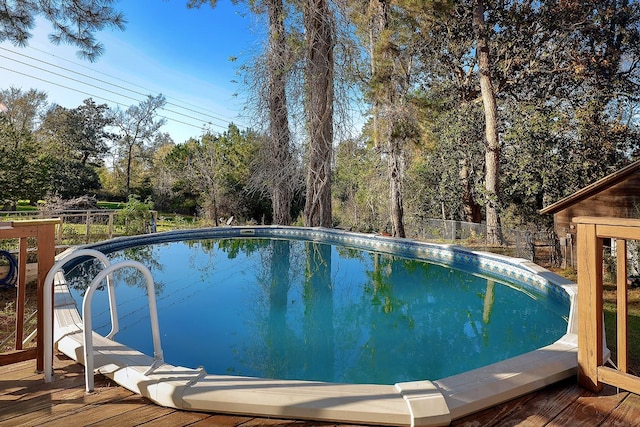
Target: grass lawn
{"x":610,"y":310}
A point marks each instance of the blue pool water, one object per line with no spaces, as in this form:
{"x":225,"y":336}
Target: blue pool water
{"x":293,"y":309}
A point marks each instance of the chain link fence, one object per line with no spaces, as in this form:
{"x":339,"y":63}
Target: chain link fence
{"x":541,"y":247}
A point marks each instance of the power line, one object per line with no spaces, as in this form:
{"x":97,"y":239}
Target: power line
{"x":199,"y":112}
{"x":229,"y":119}
{"x":101,"y":97}
{"x":98,"y":87}
{"x":203,"y":122}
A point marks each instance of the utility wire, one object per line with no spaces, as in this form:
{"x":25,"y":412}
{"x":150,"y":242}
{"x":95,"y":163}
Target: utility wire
{"x":104,"y":82}
{"x":102,"y":97}
{"x":95,"y":86}
{"x":229,"y":119}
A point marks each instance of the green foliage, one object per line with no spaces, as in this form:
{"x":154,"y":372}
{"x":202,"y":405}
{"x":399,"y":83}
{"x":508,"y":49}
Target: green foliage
{"x":135,"y":216}
{"x":566,"y":76}
{"x":214,"y":173}
{"x":78,"y":134}
{"x":562,"y":123}
{"x":72,"y":235}
{"x":434,"y":185}
{"x":26,"y":208}
{"x":359,"y":193}
{"x":73,"y":23}
{"x":57,"y":158}
{"x":20,"y":168}
{"x":138,"y":132}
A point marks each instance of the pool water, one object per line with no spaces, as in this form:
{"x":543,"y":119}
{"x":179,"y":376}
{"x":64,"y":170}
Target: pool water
{"x":293,"y":309}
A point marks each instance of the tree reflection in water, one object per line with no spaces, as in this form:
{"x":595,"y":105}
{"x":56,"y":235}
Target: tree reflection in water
{"x":295,"y":309}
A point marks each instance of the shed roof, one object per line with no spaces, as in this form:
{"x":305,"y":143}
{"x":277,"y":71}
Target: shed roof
{"x":592,"y":189}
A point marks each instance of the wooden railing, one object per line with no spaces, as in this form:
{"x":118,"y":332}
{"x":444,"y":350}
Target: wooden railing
{"x":44,"y":231}
{"x":591,"y":233}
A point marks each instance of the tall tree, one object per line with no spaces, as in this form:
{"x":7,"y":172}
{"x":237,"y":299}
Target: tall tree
{"x":23,"y":110}
{"x":276,"y":174}
{"x":74,"y":22}
{"x":319,"y":37}
{"x":390,"y":30}
{"x":19,"y":155}
{"x":492,"y":141}
{"x":73,"y":144}
{"x":566,"y":73}
{"x":137,"y":128}
{"x":93,"y":139}
{"x":391,"y":67}
{"x":81,"y":133}
{"x":279,"y":133}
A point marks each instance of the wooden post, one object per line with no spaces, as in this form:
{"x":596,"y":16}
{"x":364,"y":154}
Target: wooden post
{"x":110,"y":225}
{"x":21,"y":292}
{"x":589,"y":306}
{"x":60,"y":229}
{"x":44,"y":231}
{"x":592,"y":373}
{"x":88,"y":224}
{"x":154,"y":218}
{"x":46,"y":258}
{"x":622,"y":307}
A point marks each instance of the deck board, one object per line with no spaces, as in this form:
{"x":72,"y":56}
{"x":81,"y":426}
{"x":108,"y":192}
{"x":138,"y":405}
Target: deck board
{"x":176,"y":418}
{"x":545,"y":405}
{"x":494,"y":416}
{"x":132,"y":410}
{"x":590,"y":409}
{"x":26,"y":400}
{"x":626,"y":414}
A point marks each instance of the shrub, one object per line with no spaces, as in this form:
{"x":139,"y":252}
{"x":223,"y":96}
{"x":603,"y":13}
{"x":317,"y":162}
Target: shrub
{"x":135,"y":216}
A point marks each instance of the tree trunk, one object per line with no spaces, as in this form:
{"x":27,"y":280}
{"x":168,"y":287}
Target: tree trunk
{"x":386,"y":111}
{"x":379,"y":22}
{"x":492,"y":143}
{"x":319,"y":86}
{"x":280,"y":138}
{"x":472,"y":211}
{"x":129,"y":161}
{"x":214,"y":208}
{"x":395,"y":168}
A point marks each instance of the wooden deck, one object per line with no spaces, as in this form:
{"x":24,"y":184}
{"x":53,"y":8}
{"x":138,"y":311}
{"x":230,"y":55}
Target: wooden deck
{"x":26,"y":400}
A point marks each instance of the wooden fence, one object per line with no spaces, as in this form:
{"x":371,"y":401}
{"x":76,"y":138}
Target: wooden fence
{"x":591,"y":233}
{"x":85,"y":226}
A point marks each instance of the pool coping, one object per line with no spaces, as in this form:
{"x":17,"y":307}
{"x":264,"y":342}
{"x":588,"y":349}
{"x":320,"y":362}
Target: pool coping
{"x":414,"y":403}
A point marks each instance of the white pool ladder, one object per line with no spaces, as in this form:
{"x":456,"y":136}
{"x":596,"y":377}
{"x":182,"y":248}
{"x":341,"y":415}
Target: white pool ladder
{"x":87,"y":326}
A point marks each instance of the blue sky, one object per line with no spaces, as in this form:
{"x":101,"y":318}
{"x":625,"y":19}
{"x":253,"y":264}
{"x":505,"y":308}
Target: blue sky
{"x":165,"y":48}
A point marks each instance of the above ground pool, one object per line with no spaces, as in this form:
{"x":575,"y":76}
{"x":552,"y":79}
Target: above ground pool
{"x":316,"y":306}
{"x":304,"y":310}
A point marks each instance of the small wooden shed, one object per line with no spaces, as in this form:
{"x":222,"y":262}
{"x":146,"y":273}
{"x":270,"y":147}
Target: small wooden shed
{"x":616,"y":195}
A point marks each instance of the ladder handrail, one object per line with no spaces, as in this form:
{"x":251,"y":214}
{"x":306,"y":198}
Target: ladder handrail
{"x":48,"y":305}
{"x":87,"y":323}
